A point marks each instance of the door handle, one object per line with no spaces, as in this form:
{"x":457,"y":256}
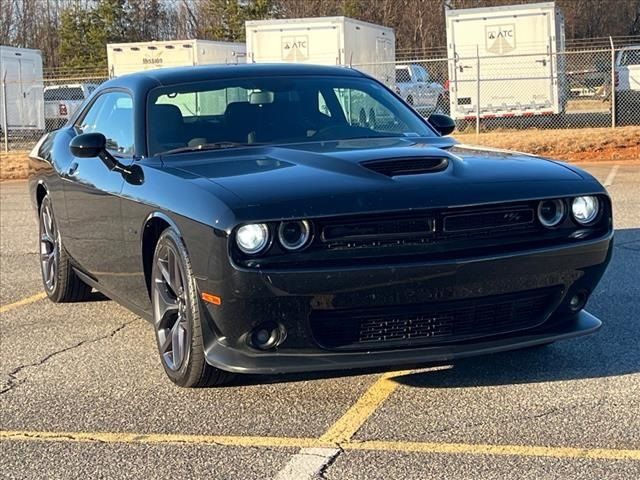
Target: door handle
{"x":73,"y":169}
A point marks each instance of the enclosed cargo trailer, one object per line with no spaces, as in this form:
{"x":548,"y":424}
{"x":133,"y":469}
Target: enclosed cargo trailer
{"x":505,"y":61}
{"x":125,"y":58}
{"x":324,"y":41}
{"x":21,"y":90}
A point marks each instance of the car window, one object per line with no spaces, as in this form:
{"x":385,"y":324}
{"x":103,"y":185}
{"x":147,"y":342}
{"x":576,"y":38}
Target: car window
{"x":362,"y":110}
{"x":63,"y":93}
{"x":322,"y":105}
{"x":630,"y":57}
{"x":208,"y":103}
{"x":275,"y":110}
{"x":422,"y":73}
{"x":112,"y":115}
{"x":402,"y":75}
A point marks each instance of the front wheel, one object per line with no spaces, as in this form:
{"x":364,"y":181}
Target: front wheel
{"x":176,"y":317}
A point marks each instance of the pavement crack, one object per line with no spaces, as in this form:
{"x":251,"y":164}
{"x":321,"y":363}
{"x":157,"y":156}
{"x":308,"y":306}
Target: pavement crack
{"x":330,"y":461}
{"x":14,"y":381}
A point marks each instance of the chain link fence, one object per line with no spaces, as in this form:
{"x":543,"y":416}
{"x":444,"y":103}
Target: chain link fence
{"x":571,"y":89}
{"x":581,"y":88}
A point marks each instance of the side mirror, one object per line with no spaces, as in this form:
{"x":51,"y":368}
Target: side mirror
{"x":88,"y":145}
{"x":443,"y":124}
{"x":91,"y":145}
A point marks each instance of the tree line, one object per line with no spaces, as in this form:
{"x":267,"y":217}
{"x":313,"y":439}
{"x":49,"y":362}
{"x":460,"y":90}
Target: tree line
{"x":72,"y":34}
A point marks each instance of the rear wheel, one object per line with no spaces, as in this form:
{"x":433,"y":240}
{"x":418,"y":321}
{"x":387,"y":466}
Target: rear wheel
{"x":58,"y":278}
{"x":176,"y":317}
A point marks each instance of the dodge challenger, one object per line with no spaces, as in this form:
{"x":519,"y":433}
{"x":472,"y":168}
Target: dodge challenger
{"x":290,"y":218}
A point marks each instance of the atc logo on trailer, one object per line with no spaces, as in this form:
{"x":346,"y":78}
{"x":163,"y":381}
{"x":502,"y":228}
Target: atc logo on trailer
{"x":500,"y":39}
{"x":295,"y":49}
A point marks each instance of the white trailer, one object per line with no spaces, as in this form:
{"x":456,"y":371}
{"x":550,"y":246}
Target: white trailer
{"x":324,"y":41}
{"x":21,"y":90}
{"x":504,"y":62}
{"x":125,"y":58}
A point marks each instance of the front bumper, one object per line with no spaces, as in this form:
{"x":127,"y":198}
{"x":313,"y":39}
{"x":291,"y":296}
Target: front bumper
{"x":291,"y":297}
{"x":247,"y":361}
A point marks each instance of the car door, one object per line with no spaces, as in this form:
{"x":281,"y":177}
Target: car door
{"x":95,"y":237}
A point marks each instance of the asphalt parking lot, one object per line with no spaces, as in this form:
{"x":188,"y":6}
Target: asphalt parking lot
{"x":83,"y":395}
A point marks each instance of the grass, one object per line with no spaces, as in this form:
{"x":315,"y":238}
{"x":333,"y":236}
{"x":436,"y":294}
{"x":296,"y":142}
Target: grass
{"x":584,"y":144}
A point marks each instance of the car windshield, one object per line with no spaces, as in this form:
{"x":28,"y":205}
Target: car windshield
{"x":275,"y":110}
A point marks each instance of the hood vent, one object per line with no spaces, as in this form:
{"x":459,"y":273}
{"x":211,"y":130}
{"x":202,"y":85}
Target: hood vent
{"x":394,"y":167}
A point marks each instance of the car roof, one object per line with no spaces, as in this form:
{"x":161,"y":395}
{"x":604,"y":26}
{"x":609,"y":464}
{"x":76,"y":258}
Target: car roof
{"x":172,"y":76}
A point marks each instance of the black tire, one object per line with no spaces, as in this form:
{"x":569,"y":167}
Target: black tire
{"x":60,"y":282}
{"x":176,"y":317}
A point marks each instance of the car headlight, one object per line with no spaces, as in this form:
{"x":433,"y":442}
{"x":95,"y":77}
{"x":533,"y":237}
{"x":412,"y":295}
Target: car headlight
{"x":252,"y":238}
{"x":585,"y":209}
{"x":294,"y":235}
{"x":551,"y":212}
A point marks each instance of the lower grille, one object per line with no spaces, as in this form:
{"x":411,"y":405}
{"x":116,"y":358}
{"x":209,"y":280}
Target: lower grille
{"x":441,"y":322}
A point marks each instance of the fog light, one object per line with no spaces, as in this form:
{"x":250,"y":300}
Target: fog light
{"x":267,"y":335}
{"x":577,"y":302}
{"x":551,"y":212}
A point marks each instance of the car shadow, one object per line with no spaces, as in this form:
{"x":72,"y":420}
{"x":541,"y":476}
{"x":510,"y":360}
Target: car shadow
{"x":612,"y":351}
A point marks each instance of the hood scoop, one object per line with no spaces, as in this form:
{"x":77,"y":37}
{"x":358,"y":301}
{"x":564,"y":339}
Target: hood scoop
{"x":395,"y":167}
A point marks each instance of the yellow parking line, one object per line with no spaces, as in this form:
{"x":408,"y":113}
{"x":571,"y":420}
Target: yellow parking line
{"x":294,"y":442}
{"x":157,"y":438}
{"x":24,"y":301}
{"x":354,"y":418}
{"x":483,"y":449}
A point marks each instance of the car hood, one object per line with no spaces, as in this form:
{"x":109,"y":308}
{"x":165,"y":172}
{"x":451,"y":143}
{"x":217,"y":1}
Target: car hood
{"x":328,"y":178}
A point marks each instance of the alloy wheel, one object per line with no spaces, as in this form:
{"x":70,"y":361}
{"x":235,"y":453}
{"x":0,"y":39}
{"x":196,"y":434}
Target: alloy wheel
{"x":170,"y":309}
{"x":49,"y":248}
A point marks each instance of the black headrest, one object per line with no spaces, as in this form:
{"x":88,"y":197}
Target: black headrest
{"x":239,"y":109}
{"x":168,"y":114}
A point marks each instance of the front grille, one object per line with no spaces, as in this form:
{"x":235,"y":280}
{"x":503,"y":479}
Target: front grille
{"x":428,"y":227}
{"x":378,"y":229}
{"x":432,"y":323}
{"x":490,"y":219}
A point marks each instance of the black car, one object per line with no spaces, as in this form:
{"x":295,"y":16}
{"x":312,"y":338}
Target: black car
{"x":289,"y":218}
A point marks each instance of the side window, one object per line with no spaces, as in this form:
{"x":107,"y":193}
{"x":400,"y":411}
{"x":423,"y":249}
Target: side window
{"x":402,"y":75}
{"x":322,"y":105}
{"x":362,"y":110}
{"x":111,"y":115}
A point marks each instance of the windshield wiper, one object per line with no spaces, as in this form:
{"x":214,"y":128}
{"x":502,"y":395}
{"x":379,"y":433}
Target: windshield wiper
{"x":208,"y":146}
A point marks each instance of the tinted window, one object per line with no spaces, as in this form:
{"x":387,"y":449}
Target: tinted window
{"x":276,"y":110}
{"x":402,"y":75}
{"x":63,"y":93}
{"x":112,"y":115}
